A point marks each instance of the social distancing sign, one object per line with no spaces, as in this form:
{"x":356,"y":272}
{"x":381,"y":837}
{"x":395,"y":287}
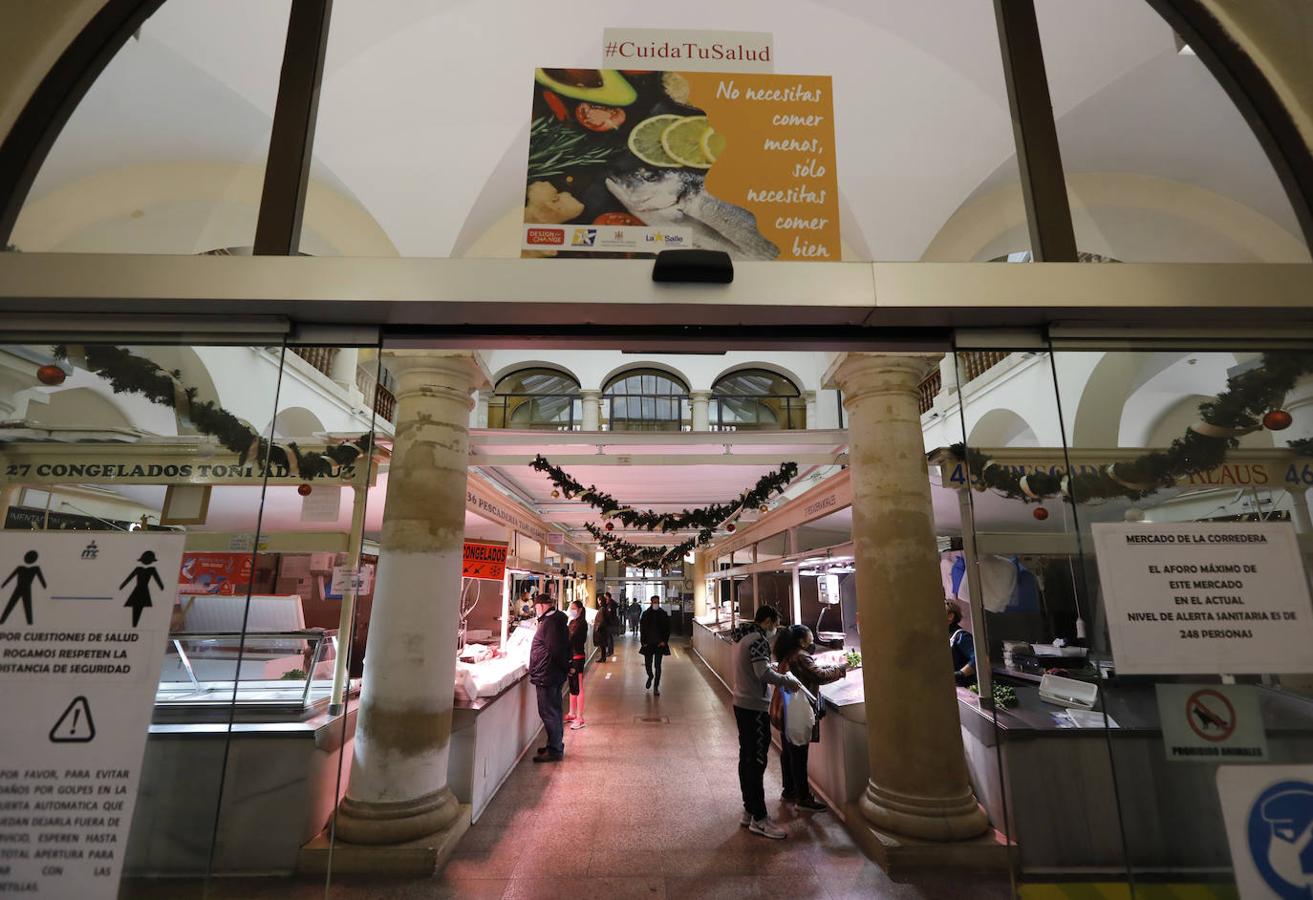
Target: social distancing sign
{"x":84,"y":623}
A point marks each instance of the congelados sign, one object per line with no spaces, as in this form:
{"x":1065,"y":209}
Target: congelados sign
{"x":102,"y":471}
{"x":484,"y":561}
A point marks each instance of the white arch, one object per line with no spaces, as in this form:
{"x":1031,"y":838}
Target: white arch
{"x":646,"y":364}
{"x":1002,"y":428}
{"x":523,"y":364}
{"x":296,"y":422}
{"x":773,"y":368}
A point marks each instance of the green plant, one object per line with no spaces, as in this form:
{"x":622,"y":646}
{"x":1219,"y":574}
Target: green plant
{"x":293,"y":675}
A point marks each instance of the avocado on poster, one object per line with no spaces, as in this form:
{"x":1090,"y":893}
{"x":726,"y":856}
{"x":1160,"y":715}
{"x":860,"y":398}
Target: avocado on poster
{"x":627,"y":163}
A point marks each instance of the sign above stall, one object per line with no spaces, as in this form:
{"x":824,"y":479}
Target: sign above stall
{"x":487,"y":561}
{"x":38,"y":463}
{"x":627,"y":163}
{"x":482,"y":501}
{"x":1205,"y":598}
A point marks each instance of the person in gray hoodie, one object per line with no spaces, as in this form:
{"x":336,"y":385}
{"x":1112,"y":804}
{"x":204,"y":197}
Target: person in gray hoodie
{"x":753,"y":671}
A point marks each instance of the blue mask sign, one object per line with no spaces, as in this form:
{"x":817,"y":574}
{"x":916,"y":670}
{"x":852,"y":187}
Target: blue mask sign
{"x":1280,"y":838}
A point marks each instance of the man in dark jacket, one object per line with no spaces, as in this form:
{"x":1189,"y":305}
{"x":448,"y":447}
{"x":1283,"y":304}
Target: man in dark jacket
{"x":654,"y":640}
{"x":549,"y":664}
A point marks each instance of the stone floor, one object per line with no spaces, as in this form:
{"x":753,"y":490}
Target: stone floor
{"x":646,"y":804}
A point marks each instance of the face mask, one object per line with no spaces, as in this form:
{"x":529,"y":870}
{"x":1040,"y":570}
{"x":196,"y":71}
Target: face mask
{"x":574,"y":613}
{"x":1284,"y":856}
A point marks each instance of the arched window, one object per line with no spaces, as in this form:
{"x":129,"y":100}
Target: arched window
{"x":646,"y":400}
{"x":754,"y":399}
{"x":536,"y":400}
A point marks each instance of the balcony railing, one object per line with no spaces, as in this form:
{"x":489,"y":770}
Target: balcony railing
{"x":971,"y":365}
{"x":385,"y":404}
{"x":319,"y":357}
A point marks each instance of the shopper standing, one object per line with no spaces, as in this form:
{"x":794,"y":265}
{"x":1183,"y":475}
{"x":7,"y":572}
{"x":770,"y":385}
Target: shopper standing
{"x":654,"y":641}
{"x":793,"y":653}
{"x":549,"y":665}
{"x":603,"y":636}
{"x":578,"y":630}
{"x":632,"y":613}
{"x":753,"y":671}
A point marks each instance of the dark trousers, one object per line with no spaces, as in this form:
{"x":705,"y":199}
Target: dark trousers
{"x":793,"y":768}
{"x":652,"y":662}
{"x":608,"y":643}
{"x":754,"y":749}
{"x":549,"y":710}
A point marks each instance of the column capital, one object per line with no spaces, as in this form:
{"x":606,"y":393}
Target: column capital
{"x":860,"y":375}
{"x":439,"y":366}
{"x":591,"y":393}
{"x":699,"y":395}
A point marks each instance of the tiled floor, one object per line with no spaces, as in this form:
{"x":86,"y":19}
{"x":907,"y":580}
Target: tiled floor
{"x":640,"y":809}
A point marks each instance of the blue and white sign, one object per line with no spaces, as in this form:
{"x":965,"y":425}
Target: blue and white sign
{"x":1269,"y":827}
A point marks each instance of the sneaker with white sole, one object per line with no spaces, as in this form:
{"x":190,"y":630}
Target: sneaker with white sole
{"x":578,"y":723}
{"x":746,"y":820}
{"x":767,"y":829}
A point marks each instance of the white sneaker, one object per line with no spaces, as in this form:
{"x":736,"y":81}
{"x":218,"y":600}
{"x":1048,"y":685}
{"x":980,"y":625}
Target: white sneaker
{"x":746,"y":820}
{"x":578,"y":723}
{"x":768,"y":829}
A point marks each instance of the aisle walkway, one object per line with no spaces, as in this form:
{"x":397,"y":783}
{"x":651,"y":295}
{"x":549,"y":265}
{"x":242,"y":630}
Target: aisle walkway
{"x":646,"y":804}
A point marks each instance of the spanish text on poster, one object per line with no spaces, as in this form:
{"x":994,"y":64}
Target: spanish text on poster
{"x":1212,"y":723}
{"x":627,"y":163}
{"x":1205,"y":598}
{"x":82,"y":638}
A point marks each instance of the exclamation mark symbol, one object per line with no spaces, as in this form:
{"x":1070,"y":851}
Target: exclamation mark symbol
{"x":77,"y":716}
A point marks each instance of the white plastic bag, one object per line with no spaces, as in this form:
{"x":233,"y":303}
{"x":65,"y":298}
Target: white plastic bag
{"x":799,"y":717}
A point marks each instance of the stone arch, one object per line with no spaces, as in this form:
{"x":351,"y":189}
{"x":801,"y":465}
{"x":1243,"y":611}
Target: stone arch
{"x":296,"y":422}
{"x":521,"y":365}
{"x":646,"y":364}
{"x":80,"y":407}
{"x":771,"y":367}
{"x":1002,"y":428}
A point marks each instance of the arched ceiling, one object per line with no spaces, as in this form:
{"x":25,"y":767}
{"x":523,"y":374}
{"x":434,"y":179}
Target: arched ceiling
{"x":424,"y":104}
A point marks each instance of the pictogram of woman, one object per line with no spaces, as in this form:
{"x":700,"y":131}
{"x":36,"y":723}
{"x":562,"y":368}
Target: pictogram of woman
{"x":23,"y":586}
{"x":139,"y":599}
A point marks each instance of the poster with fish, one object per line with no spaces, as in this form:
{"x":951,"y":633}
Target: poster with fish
{"x":626,"y":163}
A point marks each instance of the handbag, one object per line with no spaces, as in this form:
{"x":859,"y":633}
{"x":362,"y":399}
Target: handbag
{"x":776,"y":710}
{"x":799,"y":718}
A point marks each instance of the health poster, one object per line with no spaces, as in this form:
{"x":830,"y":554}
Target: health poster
{"x":626,"y":163}
{"x":83,"y":630}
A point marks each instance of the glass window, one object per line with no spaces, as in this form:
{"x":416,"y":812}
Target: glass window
{"x":646,"y":400}
{"x":166,"y":152}
{"x":536,"y":399}
{"x":756,"y":400}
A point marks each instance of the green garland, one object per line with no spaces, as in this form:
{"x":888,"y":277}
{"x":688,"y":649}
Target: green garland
{"x":703,"y":519}
{"x":130,"y":374}
{"x":1236,"y":411}
{"x":662,"y":557}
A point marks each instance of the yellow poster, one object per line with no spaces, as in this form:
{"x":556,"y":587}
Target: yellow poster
{"x":626,"y":163}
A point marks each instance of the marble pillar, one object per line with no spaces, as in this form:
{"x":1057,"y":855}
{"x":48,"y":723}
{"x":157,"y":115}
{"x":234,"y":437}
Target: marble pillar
{"x":592,"y":410}
{"x":589,"y":568}
{"x":701,"y":404}
{"x":398,"y":789}
{"x":919,"y":786}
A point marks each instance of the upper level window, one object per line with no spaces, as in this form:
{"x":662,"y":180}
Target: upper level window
{"x":536,"y":399}
{"x":754,"y":399}
{"x":646,"y":400}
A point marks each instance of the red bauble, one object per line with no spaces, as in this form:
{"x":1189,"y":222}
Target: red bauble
{"x":1277,"y":420}
{"x":51,"y":375}
{"x":731,"y":528}
{"x":1040,"y":513}
{"x":610,"y":526}
{"x":304,"y":490}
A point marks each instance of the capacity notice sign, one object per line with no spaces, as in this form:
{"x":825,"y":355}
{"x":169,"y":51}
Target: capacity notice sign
{"x":83,"y":628}
{"x":1197,"y":598}
{"x":631,"y":162}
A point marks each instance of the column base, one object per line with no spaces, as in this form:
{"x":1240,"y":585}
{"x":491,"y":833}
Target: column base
{"x":372,"y":823}
{"x":956,"y":818}
{"x":420,"y":857}
{"x":899,"y":855}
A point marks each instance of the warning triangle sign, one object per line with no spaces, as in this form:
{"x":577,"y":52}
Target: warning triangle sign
{"x":75,"y":725}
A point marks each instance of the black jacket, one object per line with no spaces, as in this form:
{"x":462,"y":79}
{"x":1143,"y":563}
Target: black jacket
{"x":549,"y":655}
{"x":578,"y":630}
{"x":653,"y":628}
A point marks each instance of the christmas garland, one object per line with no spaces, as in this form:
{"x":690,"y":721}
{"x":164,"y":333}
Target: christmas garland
{"x":1250,"y":402}
{"x":130,"y":374}
{"x":703,"y":519}
{"x":662,"y":557}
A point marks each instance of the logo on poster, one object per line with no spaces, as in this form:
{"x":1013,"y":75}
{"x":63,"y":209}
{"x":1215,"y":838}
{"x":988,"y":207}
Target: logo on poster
{"x":554,"y":236}
{"x":1280,"y":832}
{"x":584,"y":237}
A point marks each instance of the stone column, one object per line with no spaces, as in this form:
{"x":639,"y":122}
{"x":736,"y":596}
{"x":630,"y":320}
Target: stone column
{"x":589,"y":568}
{"x":918,"y":785}
{"x":699,"y":583}
{"x":482,"y":399}
{"x":812,"y":419}
{"x":701,"y":403}
{"x":592,"y":404}
{"x":398,"y":790}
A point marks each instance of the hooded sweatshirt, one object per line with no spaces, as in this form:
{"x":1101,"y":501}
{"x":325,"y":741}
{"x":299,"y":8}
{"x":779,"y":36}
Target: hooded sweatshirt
{"x":753,"y":669}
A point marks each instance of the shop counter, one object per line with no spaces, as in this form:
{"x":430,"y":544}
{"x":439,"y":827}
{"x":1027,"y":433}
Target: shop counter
{"x":489,"y":735}
{"x":711,"y":641}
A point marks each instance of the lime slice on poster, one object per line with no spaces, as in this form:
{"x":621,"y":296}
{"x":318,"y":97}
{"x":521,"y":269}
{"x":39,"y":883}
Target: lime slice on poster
{"x":713,"y":144}
{"x":645,"y":141}
{"x":682,"y":141}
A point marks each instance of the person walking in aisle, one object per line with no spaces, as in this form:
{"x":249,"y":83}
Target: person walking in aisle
{"x":578,"y":630}
{"x":549,"y":665}
{"x":654,"y":641}
{"x":632,"y":613}
{"x":793,"y":653}
{"x":603,"y":636}
{"x":753,"y":671}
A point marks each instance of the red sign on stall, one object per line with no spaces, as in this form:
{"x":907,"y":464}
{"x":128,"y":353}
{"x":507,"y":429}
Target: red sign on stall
{"x":484,"y":561}
{"x":215,"y":573}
